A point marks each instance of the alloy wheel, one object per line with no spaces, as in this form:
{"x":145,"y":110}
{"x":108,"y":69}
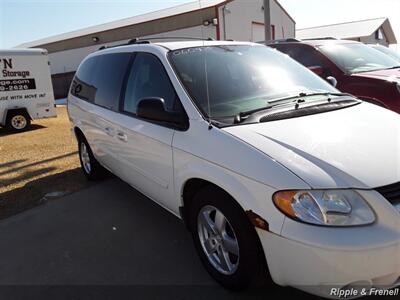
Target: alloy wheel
{"x":218,"y":240}
{"x":85,"y":158}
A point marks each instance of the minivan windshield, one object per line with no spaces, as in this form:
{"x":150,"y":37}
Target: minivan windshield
{"x":225,"y":80}
{"x":357,"y":57}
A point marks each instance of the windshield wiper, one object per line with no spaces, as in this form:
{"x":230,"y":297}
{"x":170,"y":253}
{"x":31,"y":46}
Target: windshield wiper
{"x":240,"y":117}
{"x":243,"y":114}
{"x":303,"y":95}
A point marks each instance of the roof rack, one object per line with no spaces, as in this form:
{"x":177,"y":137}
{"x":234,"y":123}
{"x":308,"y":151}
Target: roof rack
{"x":288,"y":40}
{"x":136,"y":41}
{"x":130,"y":42}
{"x":180,"y":38}
{"x":321,"y":38}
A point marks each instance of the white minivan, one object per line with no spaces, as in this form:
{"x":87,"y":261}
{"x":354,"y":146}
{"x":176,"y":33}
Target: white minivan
{"x":26,"y":91}
{"x":272,"y":169}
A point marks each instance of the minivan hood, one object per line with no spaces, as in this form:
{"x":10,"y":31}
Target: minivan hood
{"x":355,"y":147}
{"x":392,"y":75}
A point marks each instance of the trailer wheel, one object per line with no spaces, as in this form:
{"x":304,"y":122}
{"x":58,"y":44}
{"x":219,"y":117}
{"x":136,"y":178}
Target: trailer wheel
{"x":18,"y":121}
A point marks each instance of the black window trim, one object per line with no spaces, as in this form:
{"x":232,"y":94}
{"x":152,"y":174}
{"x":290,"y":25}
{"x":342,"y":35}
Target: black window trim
{"x":121,"y":110}
{"x":131,"y":58}
{"x":125,"y":83}
{"x":121,"y":99}
{"x":75,"y":77}
{"x":130,"y":61}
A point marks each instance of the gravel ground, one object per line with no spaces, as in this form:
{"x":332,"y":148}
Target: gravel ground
{"x":42,"y":161}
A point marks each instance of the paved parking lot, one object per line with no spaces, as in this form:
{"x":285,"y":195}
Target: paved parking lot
{"x":37,"y":162}
{"x":106,"y":242}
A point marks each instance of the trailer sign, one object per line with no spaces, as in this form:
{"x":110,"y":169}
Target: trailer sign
{"x":26,"y":90}
{"x":11,"y":84}
{"x":17,"y":85}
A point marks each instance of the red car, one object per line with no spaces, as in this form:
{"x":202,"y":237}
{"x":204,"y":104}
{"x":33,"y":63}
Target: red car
{"x":358,"y":69}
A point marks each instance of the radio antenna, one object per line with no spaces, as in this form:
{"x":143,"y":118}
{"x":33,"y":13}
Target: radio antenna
{"x":205,"y":70}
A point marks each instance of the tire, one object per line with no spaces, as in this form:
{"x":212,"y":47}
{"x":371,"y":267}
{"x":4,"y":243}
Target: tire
{"x":239,"y":271}
{"x":89,"y":164}
{"x":18,"y":121}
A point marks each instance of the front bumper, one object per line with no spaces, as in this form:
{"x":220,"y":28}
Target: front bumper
{"x":318,"y":270}
{"x":317,"y":259}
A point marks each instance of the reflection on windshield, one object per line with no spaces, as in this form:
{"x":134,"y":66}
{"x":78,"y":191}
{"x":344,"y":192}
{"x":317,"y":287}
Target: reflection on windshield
{"x":241,"y":77}
{"x":356,"y":58}
{"x":393,"y":54}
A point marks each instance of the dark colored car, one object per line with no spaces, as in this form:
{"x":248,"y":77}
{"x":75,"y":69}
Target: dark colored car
{"x":358,"y":69}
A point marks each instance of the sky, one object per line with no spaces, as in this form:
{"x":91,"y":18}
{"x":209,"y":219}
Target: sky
{"x":309,"y":13}
{"x":27,"y":20}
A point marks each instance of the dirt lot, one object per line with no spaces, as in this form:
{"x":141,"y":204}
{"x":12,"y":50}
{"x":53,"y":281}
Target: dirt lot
{"x":38,"y":162}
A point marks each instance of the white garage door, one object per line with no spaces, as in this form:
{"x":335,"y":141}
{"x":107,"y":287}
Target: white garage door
{"x":257,"y":32}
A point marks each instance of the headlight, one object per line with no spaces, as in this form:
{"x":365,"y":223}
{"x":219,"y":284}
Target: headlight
{"x":325,"y":207}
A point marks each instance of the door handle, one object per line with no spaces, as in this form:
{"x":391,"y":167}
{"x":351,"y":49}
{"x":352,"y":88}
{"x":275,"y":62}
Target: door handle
{"x":108,"y":130}
{"x":122,"y":136}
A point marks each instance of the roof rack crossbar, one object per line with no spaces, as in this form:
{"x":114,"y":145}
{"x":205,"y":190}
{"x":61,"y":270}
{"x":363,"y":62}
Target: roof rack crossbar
{"x":136,"y":41}
{"x":287,"y":40}
{"x":177,"y":38}
{"x":321,"y":38}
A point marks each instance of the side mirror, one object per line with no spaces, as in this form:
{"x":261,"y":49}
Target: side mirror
{"x":153,"y":109}
{"x":317,"y":70}
{"x":332,"y":80}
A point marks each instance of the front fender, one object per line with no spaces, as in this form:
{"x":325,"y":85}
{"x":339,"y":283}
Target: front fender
{"x":250,"y":194}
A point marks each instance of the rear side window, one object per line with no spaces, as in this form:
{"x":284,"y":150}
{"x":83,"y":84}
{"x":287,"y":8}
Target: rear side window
{"x":109,"y":76}
{"x":99,"y":80}
{"x":148,"y":78}
{"x":82,"y":84}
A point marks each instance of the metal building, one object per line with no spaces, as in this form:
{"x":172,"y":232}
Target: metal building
{"x":218,"y":19}
{"x":371,"y":31}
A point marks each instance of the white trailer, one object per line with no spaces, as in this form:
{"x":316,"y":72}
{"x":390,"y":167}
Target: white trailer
{"x":26,"y":91}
